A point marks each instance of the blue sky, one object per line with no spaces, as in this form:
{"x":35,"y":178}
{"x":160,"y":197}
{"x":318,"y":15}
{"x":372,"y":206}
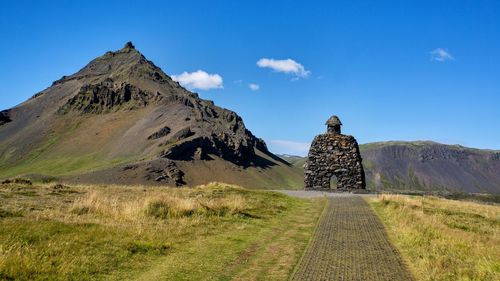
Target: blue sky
{"x":391,"y":70}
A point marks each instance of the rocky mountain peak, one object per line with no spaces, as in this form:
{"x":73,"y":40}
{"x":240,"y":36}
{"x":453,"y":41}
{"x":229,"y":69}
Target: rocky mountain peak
{"x":120,"y":65}
{"x":126,"y":80}
{"x":129,"y":45}
{"x":144,"y":116}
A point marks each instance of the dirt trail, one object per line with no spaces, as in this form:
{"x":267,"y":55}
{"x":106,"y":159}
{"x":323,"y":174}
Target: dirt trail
{"x":350,"y":243}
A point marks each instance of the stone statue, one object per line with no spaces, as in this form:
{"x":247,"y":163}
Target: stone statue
{"x":333,"y":154}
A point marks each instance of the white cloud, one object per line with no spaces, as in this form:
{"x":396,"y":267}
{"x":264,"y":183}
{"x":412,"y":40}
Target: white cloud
{"x":288,"y":66}
{"x":289,"y":147}
{"x":441,"y":55}
{"x":199,"y":80}
{"x":253,"y":87}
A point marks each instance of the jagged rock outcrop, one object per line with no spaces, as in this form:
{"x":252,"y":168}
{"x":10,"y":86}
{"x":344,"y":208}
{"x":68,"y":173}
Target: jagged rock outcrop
{"x":106,"y":97}
{"x":494,"y":156}
{"x":4,"y":117}
{"x":163,"y":132}
{"x":183,"y":133}
{"x":168,"y":172}
{"x":240,"y":151}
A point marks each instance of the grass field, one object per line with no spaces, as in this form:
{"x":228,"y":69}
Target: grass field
{"x":223,"y":232}
{"x":443,"y":239}
{"x":213,"y":232}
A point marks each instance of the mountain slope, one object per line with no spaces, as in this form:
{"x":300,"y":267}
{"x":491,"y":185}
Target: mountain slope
{"x":431,"y":166}
{"x":427,"y":166}
{"x":121,"y":118}
{"x":296,"y":161}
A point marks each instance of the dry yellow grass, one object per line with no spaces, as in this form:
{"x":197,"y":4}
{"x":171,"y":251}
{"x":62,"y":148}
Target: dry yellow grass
{"x":210,"y":232}
{"x":443,"y":239}
{"x":158,"y":204}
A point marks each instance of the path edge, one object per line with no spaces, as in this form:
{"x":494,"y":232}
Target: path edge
{"x":313,"y":235}
{"x":398,"y":251}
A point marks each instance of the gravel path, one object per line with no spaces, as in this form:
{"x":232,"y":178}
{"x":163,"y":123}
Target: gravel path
{"x":317,"y":193}
{"x":350,"y":243}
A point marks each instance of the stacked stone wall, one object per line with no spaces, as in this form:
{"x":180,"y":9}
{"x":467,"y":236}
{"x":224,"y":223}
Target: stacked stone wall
{"x":336,"y":155}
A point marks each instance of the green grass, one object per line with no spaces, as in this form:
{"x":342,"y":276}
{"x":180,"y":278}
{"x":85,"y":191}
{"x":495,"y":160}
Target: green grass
{"x":214,"y":232}
{"x":61,"y":166}
{"x":46,"y":160}
{"x":443,"y":239}
{"x":34,"y":154}
{"x":48,"y":249}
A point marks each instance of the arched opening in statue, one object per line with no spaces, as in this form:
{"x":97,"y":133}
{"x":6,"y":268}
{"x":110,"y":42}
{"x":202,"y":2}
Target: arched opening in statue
{"x":333,"y":182}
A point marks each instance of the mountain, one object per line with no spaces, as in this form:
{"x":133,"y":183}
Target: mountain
{"x":425,"y":165}
{"x":294,"y":160}
{"x":431,"y":166}
{"x":121,"y":119}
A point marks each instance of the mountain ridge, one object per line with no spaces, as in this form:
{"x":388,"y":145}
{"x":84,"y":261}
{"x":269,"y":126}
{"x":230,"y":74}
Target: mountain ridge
{"x":427,"y":166}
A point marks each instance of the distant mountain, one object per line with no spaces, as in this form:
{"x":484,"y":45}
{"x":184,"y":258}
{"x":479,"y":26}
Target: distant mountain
{"x":296,"y":161}
{"x":427,"y":166}
{"x":431,"y":166}
{"x":121,"y":119}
